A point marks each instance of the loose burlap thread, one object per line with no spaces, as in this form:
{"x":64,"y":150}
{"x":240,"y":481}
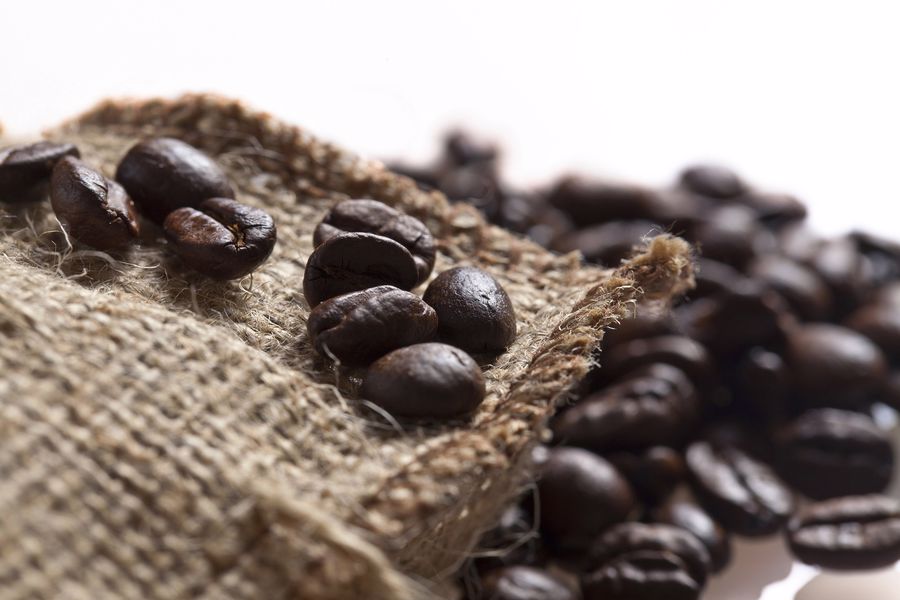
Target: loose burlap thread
{"x":166,"y":436}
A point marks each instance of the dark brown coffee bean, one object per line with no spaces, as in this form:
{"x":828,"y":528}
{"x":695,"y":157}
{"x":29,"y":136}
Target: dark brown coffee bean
{"x":607,"y":244}
{"x":653,"y":473}
{"x":741,"y":493}
{"x":854,"y":532}
{"x":881,"y":324}
{"x":713,"y":277}
{"x":762,"y":385}
{"x":349,"y":262}
{"x":676,"y":350}
{"x":712,"y":181}
{"x":425,"y":177}
{"x":476,"y":184}
{"x":546,"y":225}
{"x":774,"y":210}
{"x":828,"y":453}
{"x":359,"y":327}
{"x":370,"y":216}
{"x":25,"y":170}
{"x":730,"y":234}
{"x":592,"y":202}
{"x":221,"y":238}
{"x":802,"y":289}
{"x":641,"y":575}
{"x":461,"y":149}
{"x":883,"y":254}
{"x":425,"y":380}
{"x":525,"y":583}
{"x":645,"y":323}
{"x":474,"y":312}
{"x":696,"y":521}
{"x":580,"y":495}
{"x":799,"y":243}
{"x":655,"y":406}
{"x":834,"y":366}
{"x":846,"y":271}
{"x":162,"y":174}
{"x":92,"y":209}
{"x":513,"y":541}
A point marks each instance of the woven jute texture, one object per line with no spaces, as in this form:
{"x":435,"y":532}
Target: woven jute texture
{"x":166,"y":436}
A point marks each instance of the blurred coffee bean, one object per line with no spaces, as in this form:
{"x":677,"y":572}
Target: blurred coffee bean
{"x":827,"y":453}
{"x":881,"y":324}
{"x":424,"y":176}
{"x":692,"y":518}
{"x":349,"y":262}
{"x":474,"y":311}
{"x":761,"y":385}
{"x":590,"y":202}
{"x":741,"y":493}
{"x":730,"y":234}
{"x":890,"y":393}
{"x":712,"y":181}
{"x":548,"y":224}
{"x":526,"y":583}
{"x":833,"y":366}
{"x":846,"y":271}
{"x":91,"y":208}
{"x":518,"y":211}
{"x":653,"y":473}
{"x":608,"y":244}
{"x":513,"y":541}
{"x":580,"y":495}
{"x":883,"y":255}
{"x":677,"y":350}
{"x":713,"y":277}
{"x":25,"y":169}
{"x":425,"y":381}
{"x":657,"y":406}
{"x":359,"y":327}
{"x":641,"y":575}
{"x":647,"y":322}
{"x":476,"y":184}
{"x":461,"y":149}
{"x":888,"y":296}
{"x":799,"y":243}
{"x":773,"y":209}
{"x":371,"y":216}
{"x":802,"y":289}
{"x":162,"y":174}
{"x":854,"y":532}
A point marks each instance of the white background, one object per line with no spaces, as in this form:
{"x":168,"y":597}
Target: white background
{"x":799,"y":96}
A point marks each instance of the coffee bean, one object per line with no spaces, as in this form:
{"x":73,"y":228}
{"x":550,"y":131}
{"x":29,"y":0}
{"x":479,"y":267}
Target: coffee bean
{"x":474,"y":312}
{"x":854,"y":532}
{"x":653,"y":473}
{"x":799,"y":243}
{"x":92,"y":209}
{"x":827,"y":453}
{"x":846,"y":271}
{"x":359,"y":327}
{"x":25,"y":170}
{"x":880,"y":323}
{"x":762,"y":385}
{"x":162,"y":174}
{"x":883,"y":254}
{"x":834,"y":366}
{"x":712,"y":181}
{"x":580,"y":495}
{"x":425,"y":380}
{"x":802,"y":289}
{"x":730,"y":234}
{"x":888,"y":296}
{"x":641,"y":575}
{"x":513,"y":541}
{"x":425,"y":177}
{"x":696,"y":521}
{"x":592,"y":202}
{"x":774,"y":210}
{"x":349,"y":262}
{"x":676,"y":350}
{"x":713,"y":277}
{"x":741,"y":493}
{"x":461,"y":149}
{"x":221,"y":238}
{"x":645,"y":323}
{"x":655,"y":406}
{"x":607,"y":244}
{"x":526,"y":583}
{"x":370,"y":216}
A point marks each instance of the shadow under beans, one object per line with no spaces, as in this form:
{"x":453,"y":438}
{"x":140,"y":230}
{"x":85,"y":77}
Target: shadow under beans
{"x":754,"y":565}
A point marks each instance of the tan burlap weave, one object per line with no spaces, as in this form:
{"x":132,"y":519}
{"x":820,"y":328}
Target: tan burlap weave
{"x":167,"y":436}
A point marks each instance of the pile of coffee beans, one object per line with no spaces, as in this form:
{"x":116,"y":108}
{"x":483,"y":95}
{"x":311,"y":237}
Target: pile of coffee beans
{"x":367,"y":257}
{"x":167,"y":181}
{"x":749,"y":409}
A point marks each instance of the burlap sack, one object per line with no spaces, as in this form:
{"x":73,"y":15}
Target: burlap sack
{"x":167,"y":436}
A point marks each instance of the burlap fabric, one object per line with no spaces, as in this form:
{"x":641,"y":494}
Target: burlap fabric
{"x":167,"y":436}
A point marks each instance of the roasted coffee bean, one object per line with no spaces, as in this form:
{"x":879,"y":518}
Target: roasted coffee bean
{"x":712,"y":181}
{"x":774,"y":210}
{"x":827,"y":453}
{"x":513,"y":541}
{"x":425,"y":380}
{"x":657,"y":405}
{"x":889,"y":296}
{"x":476,"y":184}
{"x":762,"y":385}
{"x":425,"y":177}
{"x":713,"y":277}
{"x":593,"y":202}
{"x":799,"y":243}
{"x":696,"y":521}
{"x":883,"y":255}
{"x":461,"y":149}
{"x":676,"y":350}
{"x":741,"y":493}
{"x":607,"y":244}
{"x":854,"y":532}
{"x":474,"y":312}
{"x":349,"y":262}
{"x":162,"y":174}
{"x":653,"y":473}
{"x":881,"y":324}
{"x":546,"y":225}
{"x":92,"y":209}
{"x":645,"y":323}
{"x":526,"y":583}
{"x":221,"y":238}
{"x":834,"y":366}
{"x":371,"y":216}
{"x":730,"y":234}
{"x":580,"y":494}
{"x":359,"y":327}
{"x":846,"y":271}
{"x":641,"y":575}
{"x":802,"y":289}
{"x":25,"y":170}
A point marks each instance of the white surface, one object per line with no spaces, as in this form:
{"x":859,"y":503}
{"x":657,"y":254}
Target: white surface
{"x":801,"y":96}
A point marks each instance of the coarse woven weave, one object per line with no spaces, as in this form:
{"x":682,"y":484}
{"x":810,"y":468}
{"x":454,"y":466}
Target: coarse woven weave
{"x":167,"y":436}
